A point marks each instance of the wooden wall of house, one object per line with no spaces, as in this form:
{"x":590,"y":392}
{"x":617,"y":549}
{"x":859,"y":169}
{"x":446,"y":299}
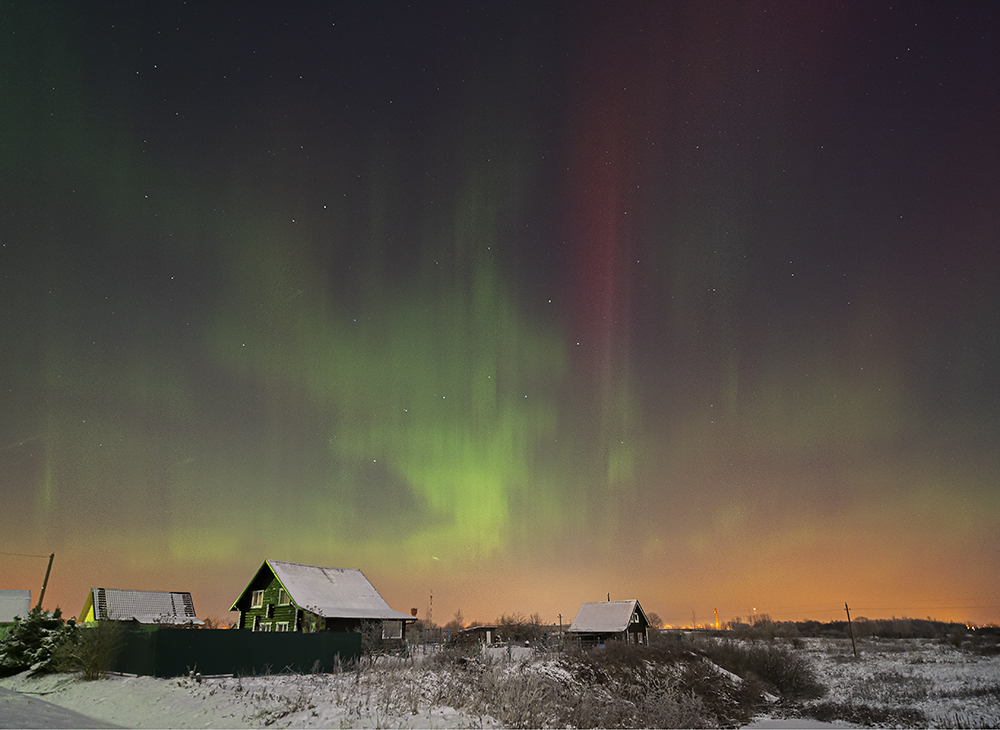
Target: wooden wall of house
{"x":271,"y":612}
{"x":343,"y":624}
{"x":630,"y":636}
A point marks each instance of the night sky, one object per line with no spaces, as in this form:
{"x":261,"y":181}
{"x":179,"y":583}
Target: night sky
{"x":522,"y":304}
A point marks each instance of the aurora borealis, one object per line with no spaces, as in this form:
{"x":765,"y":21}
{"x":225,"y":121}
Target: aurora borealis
{"x":524,"y":304}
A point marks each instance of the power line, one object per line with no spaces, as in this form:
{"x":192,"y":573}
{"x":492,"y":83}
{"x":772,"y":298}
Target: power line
{"x":915,"y":606}
{"x":918,"y":608}
{"x":22,"y":555}
{"x":819,"y":608}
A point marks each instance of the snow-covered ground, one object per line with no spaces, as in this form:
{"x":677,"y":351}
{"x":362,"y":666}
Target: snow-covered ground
{"x":952,"y":688}
{"x":370,"y":699}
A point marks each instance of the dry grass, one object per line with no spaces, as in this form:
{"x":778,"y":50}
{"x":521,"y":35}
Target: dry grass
{"x":573,"y":692}
{"x":709,"y":684}
{"x":905,"y":682}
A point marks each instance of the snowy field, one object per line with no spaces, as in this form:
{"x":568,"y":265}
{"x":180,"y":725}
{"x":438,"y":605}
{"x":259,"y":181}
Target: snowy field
{"x":950,"y":687}
{"x":940,"y":685}
{"x":369,"y":699}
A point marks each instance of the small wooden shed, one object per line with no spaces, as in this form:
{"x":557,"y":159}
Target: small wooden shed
{"x":482,"y":634}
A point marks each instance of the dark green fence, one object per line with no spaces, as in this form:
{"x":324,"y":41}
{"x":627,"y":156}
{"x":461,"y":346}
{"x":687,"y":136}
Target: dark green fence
{"x":171,"y":652}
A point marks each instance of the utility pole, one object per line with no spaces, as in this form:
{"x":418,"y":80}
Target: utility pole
{"x":45,"y":583}
{"x":851,"y":630}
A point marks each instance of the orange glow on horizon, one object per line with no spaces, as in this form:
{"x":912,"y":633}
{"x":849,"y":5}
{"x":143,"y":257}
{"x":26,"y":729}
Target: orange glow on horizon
{"x":483,"y":595}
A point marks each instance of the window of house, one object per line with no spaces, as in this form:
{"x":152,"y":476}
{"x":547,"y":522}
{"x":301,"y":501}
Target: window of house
{"x":281,"y":626}
{"x":256,"y":623}
{"x":256,"y":599}
{"x":392,"y":629}
{"x":269,"y":611}
{"x":283,"y":597}
{"x":266,"y":627}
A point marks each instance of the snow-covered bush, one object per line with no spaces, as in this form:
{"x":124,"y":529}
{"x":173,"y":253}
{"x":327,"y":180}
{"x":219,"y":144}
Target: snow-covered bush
{"x":33,"y":642}
{"x":780,"y":668}
{"x":663,"y":685}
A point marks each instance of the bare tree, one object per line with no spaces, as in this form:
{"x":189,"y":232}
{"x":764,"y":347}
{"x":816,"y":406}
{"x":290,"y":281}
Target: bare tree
{"x":457,"y":622}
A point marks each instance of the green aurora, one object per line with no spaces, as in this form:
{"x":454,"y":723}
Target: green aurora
{"x":254,"y":311}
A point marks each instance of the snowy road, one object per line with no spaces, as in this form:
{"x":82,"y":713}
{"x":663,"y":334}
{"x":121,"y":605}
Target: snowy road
{"x":18,"y":710}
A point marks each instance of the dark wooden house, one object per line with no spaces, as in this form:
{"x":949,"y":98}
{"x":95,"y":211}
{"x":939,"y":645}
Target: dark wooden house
{"x":307,"y":598}
{"x":598,"y":623}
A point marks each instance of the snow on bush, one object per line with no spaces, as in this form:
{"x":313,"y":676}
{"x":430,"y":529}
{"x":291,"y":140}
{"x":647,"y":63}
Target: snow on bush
{"x":32,"y":642}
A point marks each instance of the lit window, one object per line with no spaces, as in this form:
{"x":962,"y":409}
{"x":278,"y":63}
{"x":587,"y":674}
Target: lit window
{"x":256,"y":599}
{"x":283,"y":597}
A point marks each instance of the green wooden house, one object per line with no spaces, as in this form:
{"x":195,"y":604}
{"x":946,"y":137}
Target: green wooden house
{"x":307,"y":598}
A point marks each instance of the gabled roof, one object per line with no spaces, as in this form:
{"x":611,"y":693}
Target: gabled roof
{"x":14,"y":603}
{"x":606,"y":617}
{"x":144,"y":607}
{"x":330,"y":592}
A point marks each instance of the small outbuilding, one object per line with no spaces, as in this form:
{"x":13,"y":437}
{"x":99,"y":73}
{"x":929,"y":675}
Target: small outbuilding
{"x":482,"y":634}
{"x":307,"y":598}
{"x":598,"y":623}
{"x":165,"y":608}
{"x":14,"y":603}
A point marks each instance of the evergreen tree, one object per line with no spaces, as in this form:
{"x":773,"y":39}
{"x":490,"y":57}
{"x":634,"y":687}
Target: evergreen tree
{"x":32,"y":641}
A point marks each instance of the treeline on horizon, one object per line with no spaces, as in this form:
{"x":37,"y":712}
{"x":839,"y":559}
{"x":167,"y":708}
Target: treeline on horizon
{"x":519,"y":627}
{"x":763,"y":627}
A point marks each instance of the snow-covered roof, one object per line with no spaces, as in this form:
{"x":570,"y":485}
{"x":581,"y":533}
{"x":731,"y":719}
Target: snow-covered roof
{"x":333,"y":592}
{"x":144,"y":607}
{"x":605,"y":617}
{"x":14,"y":603}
